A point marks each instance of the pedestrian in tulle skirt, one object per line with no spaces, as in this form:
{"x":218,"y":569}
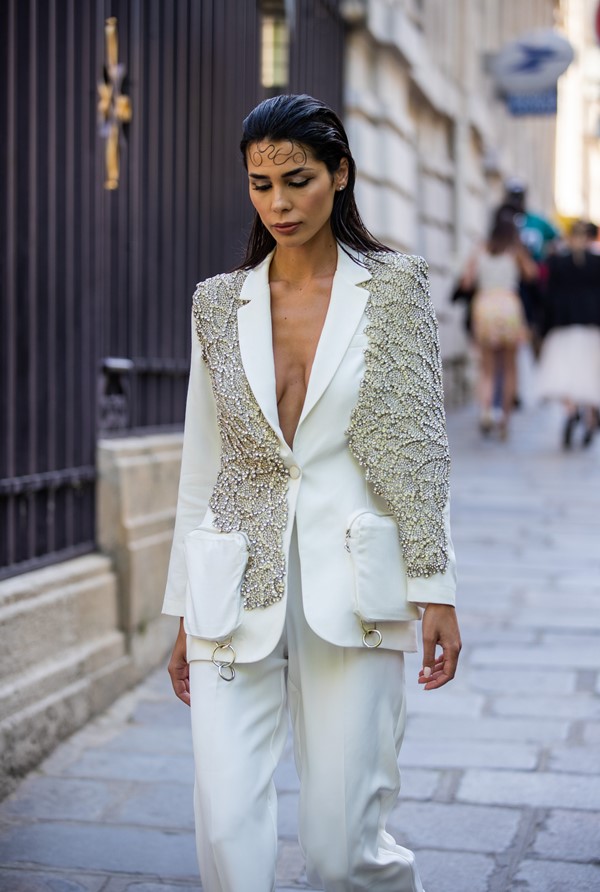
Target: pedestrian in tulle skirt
{"x":569,"y":368}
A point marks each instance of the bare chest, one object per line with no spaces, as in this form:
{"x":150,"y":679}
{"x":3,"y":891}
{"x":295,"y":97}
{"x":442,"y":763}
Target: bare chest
{"x":297,"y":320}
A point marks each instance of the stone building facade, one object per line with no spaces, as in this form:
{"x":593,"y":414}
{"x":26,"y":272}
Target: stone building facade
{"x":432,"y":140}
{"x":578,"y":123}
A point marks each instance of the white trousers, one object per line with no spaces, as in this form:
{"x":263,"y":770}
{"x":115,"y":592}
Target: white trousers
{"x":348,"y":715}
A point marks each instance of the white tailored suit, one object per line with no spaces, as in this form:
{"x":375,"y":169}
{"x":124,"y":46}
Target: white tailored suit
{"x":306,"y":646}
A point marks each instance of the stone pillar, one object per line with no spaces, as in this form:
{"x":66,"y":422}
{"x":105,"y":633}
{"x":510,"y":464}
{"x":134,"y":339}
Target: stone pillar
{"x":137,"y":495}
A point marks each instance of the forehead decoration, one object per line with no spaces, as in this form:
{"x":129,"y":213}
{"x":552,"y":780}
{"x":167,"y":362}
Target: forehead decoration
{"x":279,"y":154}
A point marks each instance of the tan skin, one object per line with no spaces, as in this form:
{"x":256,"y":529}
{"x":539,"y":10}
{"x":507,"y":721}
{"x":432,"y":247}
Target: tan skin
{"x":293,"y":194}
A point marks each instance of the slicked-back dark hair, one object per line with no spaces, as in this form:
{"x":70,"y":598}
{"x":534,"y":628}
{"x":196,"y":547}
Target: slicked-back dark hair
{"x":313,"y":125}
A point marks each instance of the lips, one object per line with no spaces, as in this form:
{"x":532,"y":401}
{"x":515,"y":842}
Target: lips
{"x":284,"y":228}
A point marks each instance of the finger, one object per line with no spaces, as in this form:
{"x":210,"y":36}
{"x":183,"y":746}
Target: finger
{"x":450,"y":662}
{"x":429,"y":644}
{"x":180,"y":681}
{"x":437,"y":682}
{"x":425,"y":675}
{"x":438,"y":666}
{"x":182,"y":689}
{"x":451,"y":653}
{"x":182,"y":692}
{"x":427,"y":679}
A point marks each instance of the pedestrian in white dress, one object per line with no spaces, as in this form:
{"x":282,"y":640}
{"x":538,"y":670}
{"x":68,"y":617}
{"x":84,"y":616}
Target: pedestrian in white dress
{"x":498,"y":319}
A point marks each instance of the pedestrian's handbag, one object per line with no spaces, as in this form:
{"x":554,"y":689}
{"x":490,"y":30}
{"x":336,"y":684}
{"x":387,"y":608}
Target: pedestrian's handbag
{"x":215,"y":563}
{"x":380,"y":585}
{"x":464,"y":295}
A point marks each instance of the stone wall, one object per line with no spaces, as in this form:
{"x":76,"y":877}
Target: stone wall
{"x":63,"y":658}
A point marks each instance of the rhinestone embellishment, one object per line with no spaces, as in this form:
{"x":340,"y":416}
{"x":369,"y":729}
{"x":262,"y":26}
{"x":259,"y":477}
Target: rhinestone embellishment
{"x":251,"y":487}
{"x":397,"y":430}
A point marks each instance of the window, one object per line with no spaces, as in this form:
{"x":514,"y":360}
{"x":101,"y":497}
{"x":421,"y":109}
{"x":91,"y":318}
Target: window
{"x":275,"y":46}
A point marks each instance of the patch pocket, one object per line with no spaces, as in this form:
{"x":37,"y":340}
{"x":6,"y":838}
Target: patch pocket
{"x":380,"y":587}
{"x":215,"y":563}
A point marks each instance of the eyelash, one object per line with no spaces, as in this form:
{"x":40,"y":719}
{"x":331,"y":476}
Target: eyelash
{"x":298,"y":185}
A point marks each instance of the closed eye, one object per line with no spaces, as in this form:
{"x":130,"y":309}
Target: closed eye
{"x":296,"y":184}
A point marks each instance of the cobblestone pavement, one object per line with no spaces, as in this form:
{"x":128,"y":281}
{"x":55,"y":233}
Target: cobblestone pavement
{"x":501,"y":770}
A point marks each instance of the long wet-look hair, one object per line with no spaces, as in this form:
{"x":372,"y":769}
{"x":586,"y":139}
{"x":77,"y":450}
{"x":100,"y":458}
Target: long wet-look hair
{"x":312,"y":125}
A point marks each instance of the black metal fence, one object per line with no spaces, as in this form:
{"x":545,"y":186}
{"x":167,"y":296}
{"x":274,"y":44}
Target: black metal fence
{"x":48,"y":321}
{"x":96,"y":284}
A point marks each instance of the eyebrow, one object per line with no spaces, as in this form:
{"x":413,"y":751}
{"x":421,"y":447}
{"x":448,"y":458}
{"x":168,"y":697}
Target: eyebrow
{"x":290,"y":173}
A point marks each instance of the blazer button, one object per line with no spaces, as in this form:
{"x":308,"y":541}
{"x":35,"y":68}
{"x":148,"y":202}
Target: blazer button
{"x":294,"y":472}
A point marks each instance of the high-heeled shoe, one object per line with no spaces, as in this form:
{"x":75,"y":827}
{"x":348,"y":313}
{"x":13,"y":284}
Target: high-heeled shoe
{"x":486,"y":423}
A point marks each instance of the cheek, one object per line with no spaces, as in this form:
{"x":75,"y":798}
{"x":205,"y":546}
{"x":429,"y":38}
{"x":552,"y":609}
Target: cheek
{"x":255,"y":199}
{"x":320,"y":204}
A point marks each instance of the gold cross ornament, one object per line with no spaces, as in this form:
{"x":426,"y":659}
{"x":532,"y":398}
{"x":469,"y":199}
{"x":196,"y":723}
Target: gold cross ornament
{"x":114,"y":109}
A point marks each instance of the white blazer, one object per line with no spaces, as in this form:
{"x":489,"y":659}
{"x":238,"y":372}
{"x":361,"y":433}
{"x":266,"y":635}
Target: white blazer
{"x":326,"y":486}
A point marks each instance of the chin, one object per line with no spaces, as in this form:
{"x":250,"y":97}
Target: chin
{"x":290,"y":241}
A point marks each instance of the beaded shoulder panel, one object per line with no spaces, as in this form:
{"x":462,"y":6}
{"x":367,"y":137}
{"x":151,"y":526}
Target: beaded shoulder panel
{"x":251,"y":487}
{"x":397,"y":429}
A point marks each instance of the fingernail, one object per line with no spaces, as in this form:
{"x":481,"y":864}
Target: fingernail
{"x":427,"y":671}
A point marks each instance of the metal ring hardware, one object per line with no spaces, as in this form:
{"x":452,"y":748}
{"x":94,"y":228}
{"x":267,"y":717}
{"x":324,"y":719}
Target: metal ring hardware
{"x":227,"y":673}
{"x":372,"y":638}
{"x":225,"y":667}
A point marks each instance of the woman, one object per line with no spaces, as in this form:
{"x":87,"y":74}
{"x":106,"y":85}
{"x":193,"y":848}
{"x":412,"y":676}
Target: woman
{"x":498,"y":321}
{"x":569,"y":368}
{"x":312,"y":522}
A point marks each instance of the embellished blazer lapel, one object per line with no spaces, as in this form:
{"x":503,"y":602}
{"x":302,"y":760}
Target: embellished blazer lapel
{"x":346,"y":307}
{"x":256,"y":340}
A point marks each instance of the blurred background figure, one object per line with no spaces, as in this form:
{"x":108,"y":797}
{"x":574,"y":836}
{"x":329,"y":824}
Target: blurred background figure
{"x":592,"y":236}
{"x":536,"y":232}
{"x":498,"y":321}
{"x":539,"y":237}
{"x":569,"y":368}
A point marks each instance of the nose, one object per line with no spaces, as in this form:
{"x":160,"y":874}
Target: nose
{"x":280,"y":201}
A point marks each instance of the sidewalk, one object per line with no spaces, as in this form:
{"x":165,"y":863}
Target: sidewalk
{"x":501,"y":770}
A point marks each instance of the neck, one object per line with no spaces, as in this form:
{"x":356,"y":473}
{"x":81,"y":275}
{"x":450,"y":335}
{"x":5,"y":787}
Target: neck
{"x":297,"y":265}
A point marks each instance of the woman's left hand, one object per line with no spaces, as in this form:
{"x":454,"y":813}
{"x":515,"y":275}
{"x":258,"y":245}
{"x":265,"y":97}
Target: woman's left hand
{"x":440,"y":626}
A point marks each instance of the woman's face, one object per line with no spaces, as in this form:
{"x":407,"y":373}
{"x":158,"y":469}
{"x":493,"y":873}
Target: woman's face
{"x":292,"y":191}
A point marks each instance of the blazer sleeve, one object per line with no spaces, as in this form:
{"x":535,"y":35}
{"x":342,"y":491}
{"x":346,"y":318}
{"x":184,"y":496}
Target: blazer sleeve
{"x":440,"y":588}
{"x":199,"y":468}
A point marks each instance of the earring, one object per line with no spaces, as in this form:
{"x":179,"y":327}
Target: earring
{"x":340,"y":188}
